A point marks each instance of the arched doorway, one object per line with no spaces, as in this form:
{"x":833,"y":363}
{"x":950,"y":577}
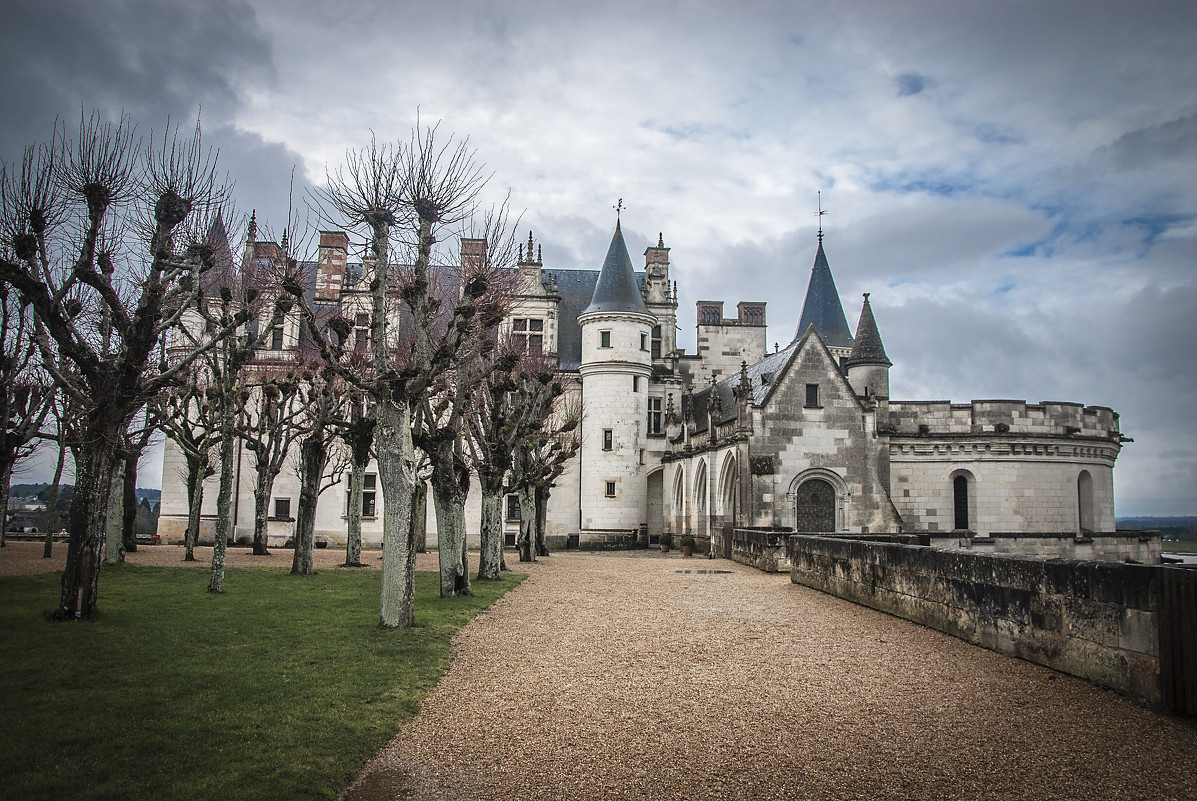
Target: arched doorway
{"x":815,"y":512}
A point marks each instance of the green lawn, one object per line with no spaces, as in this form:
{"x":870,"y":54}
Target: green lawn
{"x":282,"y":687}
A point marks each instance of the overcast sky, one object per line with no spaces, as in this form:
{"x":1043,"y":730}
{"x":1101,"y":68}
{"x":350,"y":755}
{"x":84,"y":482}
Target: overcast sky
{"x":1014,"y":182}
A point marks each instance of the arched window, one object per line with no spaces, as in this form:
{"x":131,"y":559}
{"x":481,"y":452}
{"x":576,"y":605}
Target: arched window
{"x":1084,"y":501}
{"x":728,"y":486}
{"x":700,"y":489}
{"x":679,"y":490}
{"x":960,"y":502}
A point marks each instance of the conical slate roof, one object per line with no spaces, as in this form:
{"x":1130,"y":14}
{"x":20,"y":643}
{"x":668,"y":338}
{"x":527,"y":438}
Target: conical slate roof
{"x":822,"y":308}
{"x":617,"y":289}
{"x":867,"y":349}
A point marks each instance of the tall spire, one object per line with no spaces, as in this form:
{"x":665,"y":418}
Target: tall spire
{"x":822,"y":307}
{"x":867,"y":349}
{"x":617,"y":288}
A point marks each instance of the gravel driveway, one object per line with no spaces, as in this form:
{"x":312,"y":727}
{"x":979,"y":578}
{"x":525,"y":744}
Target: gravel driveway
{"x":616,"y":676}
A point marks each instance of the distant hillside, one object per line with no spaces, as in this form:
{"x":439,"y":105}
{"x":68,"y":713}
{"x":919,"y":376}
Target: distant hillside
{"x":1180,"y":528}
{"x":66,"y":490}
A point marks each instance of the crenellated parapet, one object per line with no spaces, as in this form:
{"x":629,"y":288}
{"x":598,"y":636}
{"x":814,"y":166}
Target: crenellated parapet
{"x":1002,"y":417}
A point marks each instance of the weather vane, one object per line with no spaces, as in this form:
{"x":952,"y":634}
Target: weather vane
{"x":618,"y":208}
{"x":822,"y":211}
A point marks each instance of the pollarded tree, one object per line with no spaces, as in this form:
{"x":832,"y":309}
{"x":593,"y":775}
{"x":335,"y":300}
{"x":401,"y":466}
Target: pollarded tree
{"x":320,"y":402}
{"x":271,"y":422}
{"x":539,"y":459}
{"x":402,"y":197}
{"x":188,"y":416}
{"x":103,"y":240}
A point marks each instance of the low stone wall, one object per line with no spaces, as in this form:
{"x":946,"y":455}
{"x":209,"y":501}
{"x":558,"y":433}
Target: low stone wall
{"x":762,"y":548}
{"x":1143,"y":547}
{"x":1096,"y":620}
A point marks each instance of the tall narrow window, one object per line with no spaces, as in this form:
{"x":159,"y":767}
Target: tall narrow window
{"x":656,"y":348}
{"x":654,"y":415}
{"x":604,"y":339}
{"x":812,"y":395}
{"x":608,"y":439}
{"x":960,"y":502}
{"x":610,"y":489}
{"x":1084,"y":500}
{"x":276,"y":339}
{"x":513,"y":507}
{"x":369,"y":485}
{"x":635,"y":383}
{"x":644,"y":342}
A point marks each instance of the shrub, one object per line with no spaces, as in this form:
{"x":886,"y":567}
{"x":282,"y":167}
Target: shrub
{"x":666,"y":539}
{"x":687,"y":541}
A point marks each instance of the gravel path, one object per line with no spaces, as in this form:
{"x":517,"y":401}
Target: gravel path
{"x":610,"y":677}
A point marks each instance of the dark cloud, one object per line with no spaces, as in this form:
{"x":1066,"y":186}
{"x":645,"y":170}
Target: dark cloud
{"x":150,"y":59}
{"x":1169,"y":141}
{"x":911,"y":83}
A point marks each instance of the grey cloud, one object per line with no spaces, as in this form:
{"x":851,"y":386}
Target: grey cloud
{"x":1172,"y":140}
{"x":911,"y":83}
{"x":150,"y":59}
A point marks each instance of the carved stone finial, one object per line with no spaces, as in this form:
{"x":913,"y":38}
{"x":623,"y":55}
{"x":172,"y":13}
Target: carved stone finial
{"x":660,"y":240}
{"x":252,"y":233}
{"x":539,"y":250}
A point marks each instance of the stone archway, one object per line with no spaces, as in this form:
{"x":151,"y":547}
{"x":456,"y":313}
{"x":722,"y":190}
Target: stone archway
{"x":815,"y":507}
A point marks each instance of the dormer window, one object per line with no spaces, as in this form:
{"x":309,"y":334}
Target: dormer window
{"x":528,"y":333}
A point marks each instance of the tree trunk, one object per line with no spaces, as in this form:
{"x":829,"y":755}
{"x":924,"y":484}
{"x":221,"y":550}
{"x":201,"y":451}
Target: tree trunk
{"x":490,"y":555}
{"x":312,"y":457}
{"x":52,"y":504}
{"x":419,"y":515}
{"x":114,"y":550}
{"x":542,"y":508}
{"x":223,"y":498}
{"x":450,"y":534}
{"x":196,"y":473}
{"x":263,"y":486}
{"x":527,"y":536}
{"x":89,"y":507}
{"x":5,"y":478}
{"x":353,"y":514}
{"x":396,"y":468}
{"x":129,"y":504}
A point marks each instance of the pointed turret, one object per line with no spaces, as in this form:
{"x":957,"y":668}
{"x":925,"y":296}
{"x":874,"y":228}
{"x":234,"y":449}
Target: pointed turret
{"x":867,"y":347}
{"x":868,"y":366}
{"x":822,"y":307}
{"x":617,"y":289}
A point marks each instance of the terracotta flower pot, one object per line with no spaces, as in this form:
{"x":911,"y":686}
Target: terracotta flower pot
{"x":687,"y":550}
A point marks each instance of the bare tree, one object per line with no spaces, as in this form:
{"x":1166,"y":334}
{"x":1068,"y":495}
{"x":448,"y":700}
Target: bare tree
{"x":320,"y":402}
{"x":189,"y":417}
{"x":104,"y":245}
{"x":402,"y":197}
{"x":538,"y":460}
{"x":271,"y":422}
{"x":358,"y":436}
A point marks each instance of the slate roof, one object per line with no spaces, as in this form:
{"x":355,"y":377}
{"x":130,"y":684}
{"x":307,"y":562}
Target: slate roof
{"x":768,"y":367}
{"x":867,"y":349}
{"x":617,"y":289}
{"x":822,"y":307}
{"x":577,"y":289}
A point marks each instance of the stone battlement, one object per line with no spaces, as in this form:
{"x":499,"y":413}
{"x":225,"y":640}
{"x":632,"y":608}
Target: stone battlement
{"x":1049,"y":418}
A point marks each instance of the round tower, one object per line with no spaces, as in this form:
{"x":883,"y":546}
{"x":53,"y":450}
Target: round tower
{"x":868,"y":366}
{"x":615,"y":370}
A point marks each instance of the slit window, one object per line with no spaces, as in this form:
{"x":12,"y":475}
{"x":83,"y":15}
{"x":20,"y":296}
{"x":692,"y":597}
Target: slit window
{"x":960,"y":502}
{"x":608,"y":439}
{"x":656,"y":347}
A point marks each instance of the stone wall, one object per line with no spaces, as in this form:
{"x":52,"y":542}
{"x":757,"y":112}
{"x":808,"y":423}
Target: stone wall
{"x":1096,"y":620}
{"x":762,"y":548}
{"x":1142,"y":547}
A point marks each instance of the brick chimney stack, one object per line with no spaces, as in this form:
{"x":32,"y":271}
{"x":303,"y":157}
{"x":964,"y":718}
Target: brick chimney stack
{"x":330,"y":273}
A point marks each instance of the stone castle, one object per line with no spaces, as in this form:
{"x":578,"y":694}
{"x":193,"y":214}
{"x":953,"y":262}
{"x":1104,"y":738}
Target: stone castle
{"x":804,"y":438}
